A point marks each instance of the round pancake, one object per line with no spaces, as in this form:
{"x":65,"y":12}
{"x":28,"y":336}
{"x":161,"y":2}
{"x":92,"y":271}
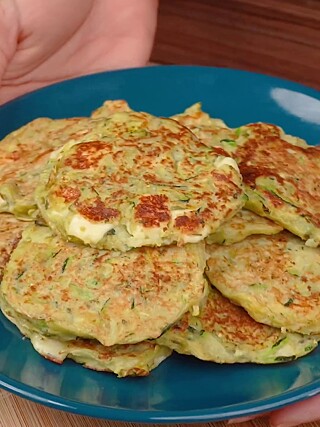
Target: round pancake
{"x":110,"y":107}
{"x":117,"y":298}
{"x":243,"y":224}
{"x":152,"y":183}
{"x":24,"y":152}
{"x":281,"y":174}
{"x":124,"y":360}
{"x":275,"y":278}
{"x":209,"y":130}
{"x":225,"y":333}
{"x":10,"y":234}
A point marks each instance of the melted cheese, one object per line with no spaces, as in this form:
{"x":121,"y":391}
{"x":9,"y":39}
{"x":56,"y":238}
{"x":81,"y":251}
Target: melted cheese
{"x":49,"y":347}
{"x":220,"y":162}
{"x":140,"y":233}
{"x":312,"y":243}
{"x":2,"y":202}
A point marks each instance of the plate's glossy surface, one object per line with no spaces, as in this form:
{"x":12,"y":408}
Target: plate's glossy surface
{"x":182,"y":389}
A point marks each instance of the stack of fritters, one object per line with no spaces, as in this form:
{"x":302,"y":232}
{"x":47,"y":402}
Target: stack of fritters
{"x":130,"y":214}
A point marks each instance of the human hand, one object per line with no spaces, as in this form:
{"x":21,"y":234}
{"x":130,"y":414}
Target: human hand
{"x":292,"y":415}
{"x":45,"y":41}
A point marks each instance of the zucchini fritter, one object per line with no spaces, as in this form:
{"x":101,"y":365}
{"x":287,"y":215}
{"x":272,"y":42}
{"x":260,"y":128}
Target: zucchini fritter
{"x":275,"y":278}
{"x":243,"y":224}
{"x":66,"y":290}
{"x":148,"y":182}
{"x":225,"y":333}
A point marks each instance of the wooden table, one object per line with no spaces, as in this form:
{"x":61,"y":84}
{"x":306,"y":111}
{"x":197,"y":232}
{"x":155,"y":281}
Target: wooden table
{"x":279,"y":37}
{"x":17,"y":412}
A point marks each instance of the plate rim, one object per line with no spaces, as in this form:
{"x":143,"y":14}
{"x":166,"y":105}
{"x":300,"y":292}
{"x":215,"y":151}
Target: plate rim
{"x":160,"y":416}
{"x":283,"y":80}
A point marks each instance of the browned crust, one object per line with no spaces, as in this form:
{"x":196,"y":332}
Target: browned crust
{"x":153,"y":210}
{"x":266,"y":155}
{"x":96,"y":210}
{"x":69,"y":194}
{"x":86,"y":155}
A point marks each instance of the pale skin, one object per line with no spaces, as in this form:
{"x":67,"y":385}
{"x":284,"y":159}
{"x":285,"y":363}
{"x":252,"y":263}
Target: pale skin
{"x":293,"y":415}
{"x":45,"y":41}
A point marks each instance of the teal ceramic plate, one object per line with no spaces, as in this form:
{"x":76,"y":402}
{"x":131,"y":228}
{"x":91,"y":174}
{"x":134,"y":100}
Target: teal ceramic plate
{"x":182,"y":389}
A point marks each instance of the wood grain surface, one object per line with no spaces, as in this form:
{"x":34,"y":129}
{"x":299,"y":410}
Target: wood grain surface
{"x":18,"y":412}
{"x":277,"y":37}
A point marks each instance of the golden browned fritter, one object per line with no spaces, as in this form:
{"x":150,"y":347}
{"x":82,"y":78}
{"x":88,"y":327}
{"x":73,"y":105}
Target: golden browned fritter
{"x":275,"y":278}
{"x":10,"y":234}
{"x":281,"y":176}
{"x":23,"y":154}
{"x":65,"y":290}
{"x":149,"y":182}
{"x":225,"y":333}
{"x":243,"y":224}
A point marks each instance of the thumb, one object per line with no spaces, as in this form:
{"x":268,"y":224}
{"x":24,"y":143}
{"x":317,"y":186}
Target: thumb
{"x":298,"y":413}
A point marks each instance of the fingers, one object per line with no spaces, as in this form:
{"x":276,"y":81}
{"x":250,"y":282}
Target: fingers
{"x":8,"y":33}
{"x":124,"y":37}
{"x":298,"y":413}
{"x":290,"y":416}
{"x":44,"y":27}
{"x":243,"y":419}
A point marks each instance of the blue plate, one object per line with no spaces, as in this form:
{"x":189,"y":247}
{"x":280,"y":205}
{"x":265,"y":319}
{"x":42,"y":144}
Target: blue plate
{"x":182,"y":389}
